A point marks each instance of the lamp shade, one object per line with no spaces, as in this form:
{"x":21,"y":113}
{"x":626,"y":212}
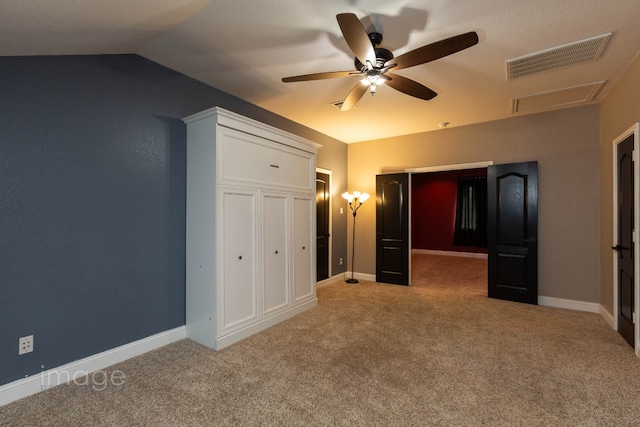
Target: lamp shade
{"x":357,"y":196}
{"x":348,"y":197}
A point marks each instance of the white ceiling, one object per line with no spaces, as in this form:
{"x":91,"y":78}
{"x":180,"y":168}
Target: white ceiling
{"x":245,"y":47}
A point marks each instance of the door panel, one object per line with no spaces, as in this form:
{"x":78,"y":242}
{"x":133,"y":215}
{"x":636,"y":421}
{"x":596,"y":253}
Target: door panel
{"x":625,"y":244}
{"x":238,"y":288}
{"x":322,"y":226}
{"x":392,"y":229}
{"x":512,"y":228}
{"x":303,"y":259}
{"x":512,"y":191}
{"x":276,"y":284}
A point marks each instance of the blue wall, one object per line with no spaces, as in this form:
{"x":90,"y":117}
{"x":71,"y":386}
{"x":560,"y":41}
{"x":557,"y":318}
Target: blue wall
{"x":92,"y":202}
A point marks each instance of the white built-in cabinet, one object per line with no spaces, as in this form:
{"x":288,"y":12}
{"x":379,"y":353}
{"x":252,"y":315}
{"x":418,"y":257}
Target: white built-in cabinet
{"x":250,"y":226}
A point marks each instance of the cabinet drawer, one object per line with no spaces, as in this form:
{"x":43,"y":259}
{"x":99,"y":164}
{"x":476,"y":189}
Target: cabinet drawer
{"x":250,"y":159}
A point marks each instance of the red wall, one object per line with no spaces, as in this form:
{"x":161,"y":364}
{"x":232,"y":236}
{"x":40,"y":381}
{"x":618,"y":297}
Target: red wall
{"x":433,"y":210}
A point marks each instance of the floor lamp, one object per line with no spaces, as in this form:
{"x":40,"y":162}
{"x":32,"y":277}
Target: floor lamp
{"x":355,"y":199}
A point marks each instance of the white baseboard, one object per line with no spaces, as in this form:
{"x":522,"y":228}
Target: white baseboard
{"x":260,"y":326}
{"x":449,"y":253}
{"x":38,"y":382}
{"x":591,"y":307}
{"x":342,"y":277}
{"x":333,"y":279}
{"x":364,"y":276}
{"x":608,"y":317}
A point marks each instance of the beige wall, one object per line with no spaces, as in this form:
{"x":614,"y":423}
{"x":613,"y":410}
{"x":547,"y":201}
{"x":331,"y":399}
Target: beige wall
{"x":618,"y":112}
{"x":333,"y":156}
{"x":566,"y":145}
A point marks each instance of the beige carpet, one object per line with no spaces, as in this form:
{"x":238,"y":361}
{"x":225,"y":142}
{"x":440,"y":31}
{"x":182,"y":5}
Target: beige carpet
{"x":440,"y":353}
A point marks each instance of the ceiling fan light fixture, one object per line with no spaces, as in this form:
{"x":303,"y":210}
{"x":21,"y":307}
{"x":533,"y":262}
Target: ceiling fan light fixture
{"x":373,"y":80}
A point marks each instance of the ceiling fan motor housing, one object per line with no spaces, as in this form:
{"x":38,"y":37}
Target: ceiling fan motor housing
{"x":382,"y":57}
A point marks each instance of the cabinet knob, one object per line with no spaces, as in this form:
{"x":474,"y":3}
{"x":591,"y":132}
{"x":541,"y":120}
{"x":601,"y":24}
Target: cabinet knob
{"x":304,"y":247}
{"x":240,"y":257}
{"x":276,"y":252}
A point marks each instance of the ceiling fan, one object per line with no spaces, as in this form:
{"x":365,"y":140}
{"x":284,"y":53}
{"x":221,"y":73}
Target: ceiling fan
{"x":373,"y":63}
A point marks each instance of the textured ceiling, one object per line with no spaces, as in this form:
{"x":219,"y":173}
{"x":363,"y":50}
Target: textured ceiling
{"x":245,"y":47}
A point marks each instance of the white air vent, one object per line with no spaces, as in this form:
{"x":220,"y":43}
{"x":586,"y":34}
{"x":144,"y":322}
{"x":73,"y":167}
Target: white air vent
{"x":338,"y":104}
{"x":556,"y":98}
{"x":579,"y":52}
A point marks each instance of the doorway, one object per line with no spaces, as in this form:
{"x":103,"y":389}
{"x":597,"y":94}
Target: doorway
{"x":511,"y":228}
{"x":323,"y":224}
{"x":447,"y":240}
{"x":453,"y":168}
{"x":625,"y":248}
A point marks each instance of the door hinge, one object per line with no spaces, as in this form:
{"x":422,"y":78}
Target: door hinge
{"x":633,"y":236}
{"x":634,"y":156}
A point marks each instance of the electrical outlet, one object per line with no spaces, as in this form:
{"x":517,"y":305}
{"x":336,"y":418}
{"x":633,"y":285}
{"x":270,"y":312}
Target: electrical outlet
{"x":25,"y":345}
{"x":341,"y":261}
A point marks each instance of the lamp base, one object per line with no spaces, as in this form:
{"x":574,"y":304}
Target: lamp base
{"x":352,"y":281}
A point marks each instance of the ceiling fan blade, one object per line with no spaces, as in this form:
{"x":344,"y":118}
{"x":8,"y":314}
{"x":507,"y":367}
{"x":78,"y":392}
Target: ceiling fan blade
{"x":410,"y":87}
{"x":354,"y":96}
{"x":357,"y":38}
{"x":320,"y":76}
{"x":435,"y":50}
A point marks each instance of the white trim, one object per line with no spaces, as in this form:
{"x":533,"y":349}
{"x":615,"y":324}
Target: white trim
{"x":330,"y":242}
{"x":608,"y":317}
{"x":635,"y":131}
{"x":444,"y":168}
{"x":36,"y":383}
{"x":250,"y":126}
{"x":331,"y":280}
{"x":342,"y":277}
{"x":449,"y":253}
{"x":254,"y":328}
{"x":364,"y":276}
{"x":591,"y":307}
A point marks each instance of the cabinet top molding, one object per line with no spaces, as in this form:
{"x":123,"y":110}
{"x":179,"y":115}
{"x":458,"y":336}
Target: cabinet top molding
{"x":239,"y":122}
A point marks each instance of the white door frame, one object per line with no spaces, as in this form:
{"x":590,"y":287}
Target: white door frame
{"x":330,"y":241}
{"x":633,"y":130}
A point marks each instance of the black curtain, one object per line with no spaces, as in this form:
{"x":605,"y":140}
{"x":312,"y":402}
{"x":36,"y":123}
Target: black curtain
{"x":471,"y":212}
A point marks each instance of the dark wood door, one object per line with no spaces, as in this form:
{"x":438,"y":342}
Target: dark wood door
{"x":322,"y":225}
{"x":512,"y":227}
{"x":392,"y":228}
{"x":624,"y":246}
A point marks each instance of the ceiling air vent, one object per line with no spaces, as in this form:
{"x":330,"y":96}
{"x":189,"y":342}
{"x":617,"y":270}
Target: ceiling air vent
{"x":338,"y":104}
{"x":579,"y":52}
{"x":555,"y":99}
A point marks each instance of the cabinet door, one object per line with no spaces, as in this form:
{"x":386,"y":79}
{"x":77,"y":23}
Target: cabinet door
{"x":237,"y":290}
{"x":304,"y":286}
{"x":270,"y":164}
{"x":275,"y":253}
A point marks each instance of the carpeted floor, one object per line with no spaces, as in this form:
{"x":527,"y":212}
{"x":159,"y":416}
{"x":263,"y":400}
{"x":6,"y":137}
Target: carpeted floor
{"x":439,"y":353}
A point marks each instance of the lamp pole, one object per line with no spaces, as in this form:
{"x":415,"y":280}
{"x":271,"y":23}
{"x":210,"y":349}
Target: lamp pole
{"x":355,"y":200}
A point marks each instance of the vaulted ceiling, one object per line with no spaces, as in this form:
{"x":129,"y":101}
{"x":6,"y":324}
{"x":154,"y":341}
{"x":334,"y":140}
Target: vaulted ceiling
{"x":245,"y":47}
